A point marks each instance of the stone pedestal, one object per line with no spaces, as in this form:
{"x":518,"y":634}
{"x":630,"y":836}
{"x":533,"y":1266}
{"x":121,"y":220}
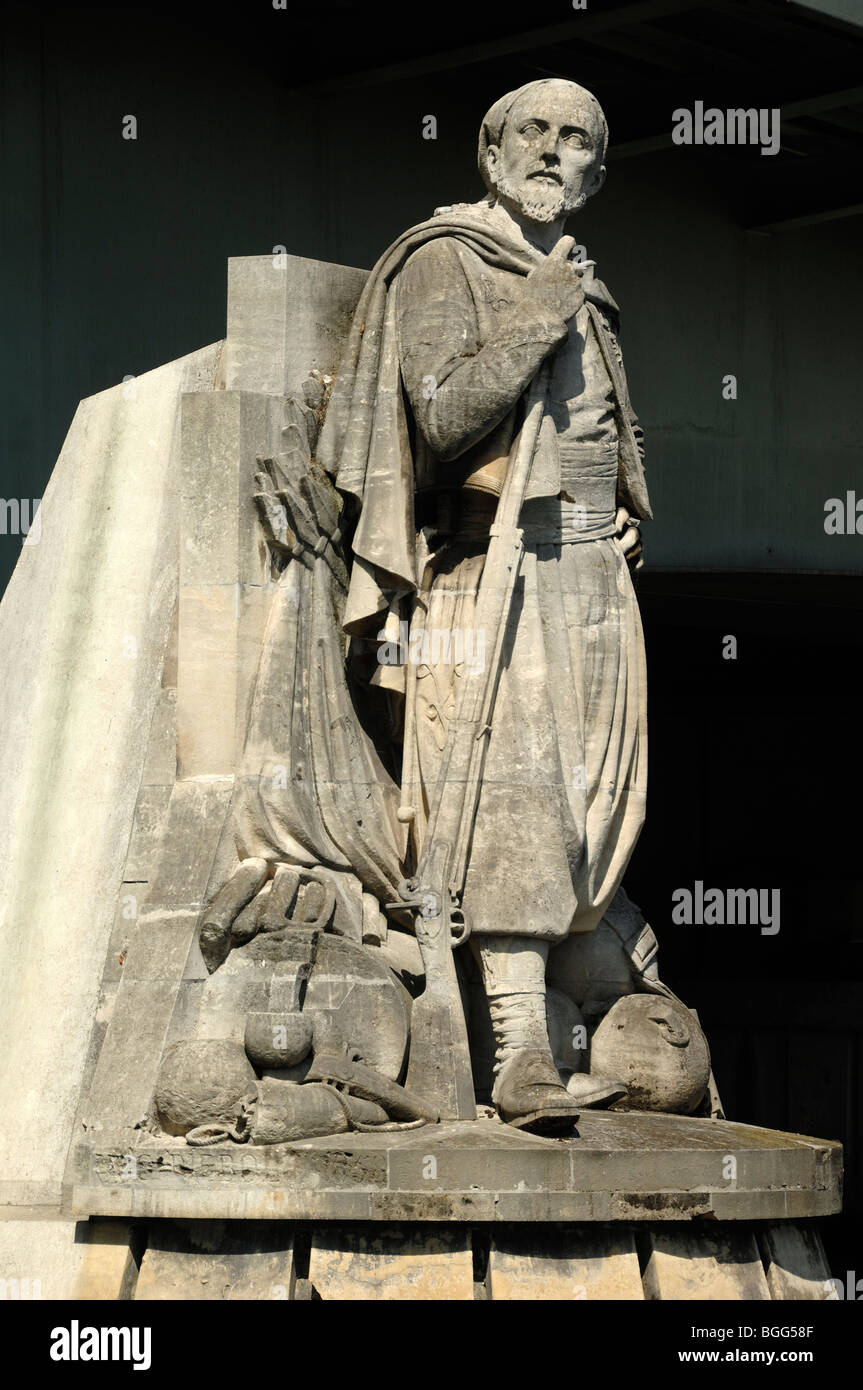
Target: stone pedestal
{"x":628,"y":1167}
{"x":638,"y":1206}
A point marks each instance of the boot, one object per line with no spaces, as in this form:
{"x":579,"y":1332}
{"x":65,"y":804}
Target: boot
{"x":528,"y":1092}
{"x":593,"y":1090}
{"x":529,"y":1095}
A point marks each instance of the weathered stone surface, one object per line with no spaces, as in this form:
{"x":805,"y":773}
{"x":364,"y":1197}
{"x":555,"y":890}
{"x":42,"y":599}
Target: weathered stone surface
{"x":286,"y":316}
{"x":392,"y":1263}
{"x":147,"y":830}
{"x":794,"y":1260}
{"x":161,"y":954}
{"x":187,"y":843}
{"x":202,"y":1083}
{"x":658,"y":1050}
{"x":277,"y":1260}
{"x":689,"y":1263}
{"x":160,"y":769}
{"x":223,"y":574}
{"x":217,"y":1261}
{"x":349,"y":998}
{"x":622,"y":1167}
{"x":88,"y":616}
{"x":109,"y":1269}
{"x":579,"y":1262}
{"x":41,"y":1258}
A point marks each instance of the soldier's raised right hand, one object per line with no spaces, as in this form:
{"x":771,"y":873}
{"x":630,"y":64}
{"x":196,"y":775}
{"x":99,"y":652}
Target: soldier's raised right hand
{"x":557,"y":282}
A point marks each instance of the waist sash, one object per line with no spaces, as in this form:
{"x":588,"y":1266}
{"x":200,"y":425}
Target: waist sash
{"x":585,"y":512}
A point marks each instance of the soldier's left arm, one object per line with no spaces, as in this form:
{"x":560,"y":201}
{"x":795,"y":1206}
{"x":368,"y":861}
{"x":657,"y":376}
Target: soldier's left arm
{"x":628,"y":527}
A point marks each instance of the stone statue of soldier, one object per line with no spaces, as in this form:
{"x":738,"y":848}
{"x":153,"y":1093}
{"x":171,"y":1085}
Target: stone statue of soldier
{"x":455,"y":323}
{"x":474,"y":311}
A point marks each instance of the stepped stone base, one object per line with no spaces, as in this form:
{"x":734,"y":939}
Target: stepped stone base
{"x":279,"y":1260}
{"x":638,"y":1206}
{"x":622,"y":1167}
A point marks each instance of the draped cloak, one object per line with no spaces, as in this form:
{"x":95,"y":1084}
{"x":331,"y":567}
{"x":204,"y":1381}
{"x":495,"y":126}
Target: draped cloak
{"x":365,"y":444}
{"x":564,"y":783}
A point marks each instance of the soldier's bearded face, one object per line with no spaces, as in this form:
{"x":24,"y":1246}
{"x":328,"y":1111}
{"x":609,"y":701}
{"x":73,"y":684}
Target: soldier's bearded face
{"x":549,"y":159}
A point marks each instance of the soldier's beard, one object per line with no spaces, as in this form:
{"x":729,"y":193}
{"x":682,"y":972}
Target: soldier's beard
{"x":540,"y":202}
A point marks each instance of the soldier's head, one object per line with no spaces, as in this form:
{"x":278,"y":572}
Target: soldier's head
{"x":541,"y":149}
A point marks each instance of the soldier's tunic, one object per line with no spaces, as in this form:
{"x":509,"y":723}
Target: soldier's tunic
{"x":563,"y":795}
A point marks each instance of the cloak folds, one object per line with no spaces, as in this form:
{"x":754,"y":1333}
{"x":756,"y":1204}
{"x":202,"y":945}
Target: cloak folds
{"x":365,"y":443}
{"x":312,"y":789}
{"x":564,"y":784}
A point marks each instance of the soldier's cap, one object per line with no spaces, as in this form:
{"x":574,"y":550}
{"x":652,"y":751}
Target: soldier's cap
{"x":492,"y":127}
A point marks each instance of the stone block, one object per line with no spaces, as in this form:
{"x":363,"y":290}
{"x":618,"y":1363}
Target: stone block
{"x":147,"y":829}
{"x":578,"y":1262}
{"x":86,"y":623}
{"x":391,"y":1263}
{"x":162,"y":954}
{"x":286,"y":316}
{"x":108,"y":1270}
{"x":224,"y":574}
{"x":190,"y":832}
{"x":794,"y":1261}
{"x":160,"y":769}
{"x":692,"y":1262}
{"x":217,"y":1261}
{"x":223,"y":433}
{"x":41,"y":1259}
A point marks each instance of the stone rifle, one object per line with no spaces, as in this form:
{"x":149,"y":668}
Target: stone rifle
{"x":439,"y":1067}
